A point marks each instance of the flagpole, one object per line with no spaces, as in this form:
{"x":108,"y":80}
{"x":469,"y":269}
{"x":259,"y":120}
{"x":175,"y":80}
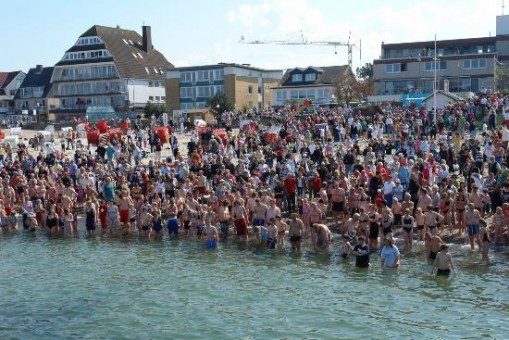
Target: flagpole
{"x":435,"y":84}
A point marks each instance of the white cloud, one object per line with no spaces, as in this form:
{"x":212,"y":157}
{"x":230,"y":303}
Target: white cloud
{"x":390,"y":22}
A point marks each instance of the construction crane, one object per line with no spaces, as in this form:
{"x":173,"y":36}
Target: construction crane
{"x":304,"y":41}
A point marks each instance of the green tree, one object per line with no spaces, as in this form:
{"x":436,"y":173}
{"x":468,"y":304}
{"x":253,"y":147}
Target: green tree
{"x":365,"y":72}
{"x":220,"y":102}
{"x":155,"y":109}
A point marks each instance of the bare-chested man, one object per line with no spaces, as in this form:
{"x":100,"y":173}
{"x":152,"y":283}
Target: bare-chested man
{"x":259,"y":213}
{"x":296,"y":228}
{"x":282,"y":227}
{"x":125,"y":203}
{"x":210,"y":234}
{"x":223,"y":215}
{"x":321,"y":236}
{"x":273,"y":210}
{"x":432,"y":219}
{"x":443,"y":262}
{"x":145,"y":221}
{"x":472,"y":220}
{"x":338,"y":201}
{"x":240,"y":218}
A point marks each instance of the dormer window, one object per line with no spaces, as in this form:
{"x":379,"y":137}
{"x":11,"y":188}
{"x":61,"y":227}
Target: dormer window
{"x":296,"y":78}
{"x":310,"y":77}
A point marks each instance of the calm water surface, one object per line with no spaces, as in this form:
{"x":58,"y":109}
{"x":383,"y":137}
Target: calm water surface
{"x":57,"y":288}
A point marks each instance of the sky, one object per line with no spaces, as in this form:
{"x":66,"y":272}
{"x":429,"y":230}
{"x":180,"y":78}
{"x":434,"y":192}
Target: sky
{"x":195,"y":32}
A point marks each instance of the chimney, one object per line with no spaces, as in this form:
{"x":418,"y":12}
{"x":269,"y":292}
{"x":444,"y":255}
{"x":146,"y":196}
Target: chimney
{"x":147,"y":39}
{"x":38,"y":68}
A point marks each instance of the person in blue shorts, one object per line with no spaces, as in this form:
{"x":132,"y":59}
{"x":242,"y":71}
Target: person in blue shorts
{"x":173,"y":225}
{"x":210,"y":234}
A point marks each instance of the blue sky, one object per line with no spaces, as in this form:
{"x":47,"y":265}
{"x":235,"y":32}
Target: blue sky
{"x":195,"y":32}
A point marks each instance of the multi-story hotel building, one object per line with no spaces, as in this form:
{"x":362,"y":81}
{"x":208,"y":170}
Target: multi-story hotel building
{"x":462,"y":65}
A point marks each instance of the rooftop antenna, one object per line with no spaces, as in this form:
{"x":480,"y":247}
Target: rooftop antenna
{"x":503,"y":7}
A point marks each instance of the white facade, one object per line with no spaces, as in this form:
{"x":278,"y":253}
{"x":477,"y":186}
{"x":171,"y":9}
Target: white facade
{"x":320,"y":95}
{"x":141,"y":91}
{"x":10,"y":91}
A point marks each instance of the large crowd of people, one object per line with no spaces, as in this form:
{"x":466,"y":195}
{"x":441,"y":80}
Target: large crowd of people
{"x":368,"y":175}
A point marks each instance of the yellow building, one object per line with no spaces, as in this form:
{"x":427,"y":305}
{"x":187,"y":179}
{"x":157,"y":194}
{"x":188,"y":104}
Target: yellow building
{"x":248,"y":87}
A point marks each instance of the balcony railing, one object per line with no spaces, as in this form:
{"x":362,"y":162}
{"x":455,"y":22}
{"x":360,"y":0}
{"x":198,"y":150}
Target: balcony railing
{"x":87,"y":77}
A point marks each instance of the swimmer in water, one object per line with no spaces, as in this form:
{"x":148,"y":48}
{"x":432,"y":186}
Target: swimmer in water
{"x":443,"y":262}
{"x":210,"y":234}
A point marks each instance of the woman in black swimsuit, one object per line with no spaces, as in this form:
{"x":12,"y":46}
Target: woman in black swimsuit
{"x":408,"y":228}
{"x":374,"y":227}
{"x":52,"y":221}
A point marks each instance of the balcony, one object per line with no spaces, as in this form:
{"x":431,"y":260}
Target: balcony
{"x":91,"y":94}
{"x":86,"y":77}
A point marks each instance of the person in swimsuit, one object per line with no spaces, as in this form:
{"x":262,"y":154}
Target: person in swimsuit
{"x":408,"y":227}
{"x":52,"y":221}
{"x":145,"y":220}
{"x":472,"y":220}
{"x":460,"y":202}
{"x":282,"y":227}
{"x":272,"y":232}
{"x":486,"y":242}
{"x":296,"y":227}
{"x":419,"y":220}
{"x":67,"y":219}
{"x":172,"y":225}
{"x":443,"y":262}
{"x":433,"y":244}
{"x":209,"y":234}
{"x":240,"y":217}
{"x":363,"y":223}
{"x":374,"y":226}
{"x":321,"y":236}
{"x":157,"y":225}
{"x":500,"y":221}
{"x":90,"y":217}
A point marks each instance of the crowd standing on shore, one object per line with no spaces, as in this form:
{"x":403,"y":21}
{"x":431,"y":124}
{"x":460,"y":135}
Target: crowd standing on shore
{"x":368,"y":177}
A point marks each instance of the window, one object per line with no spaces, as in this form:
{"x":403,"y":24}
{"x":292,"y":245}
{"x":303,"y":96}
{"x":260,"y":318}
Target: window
{"x":294,"y":94}
{"x":185,"y":77}
{"x":158,"y":98}
{"x":395,"y":68}
{"x":296,"y":78}
{"x":203,"y":75}
{"x":250,"y":90}
{"x":163,"y":98}
{"x":150,"y":84}
{"x":134,"y":55}
{"x":430,"y":65}
{"x":139,"y":55}
{"x":310,"y":77}
{"x":186,"y":92}
{"x":146,"y":70}
{"x":471,"y":64}
{"x":150,"y":98}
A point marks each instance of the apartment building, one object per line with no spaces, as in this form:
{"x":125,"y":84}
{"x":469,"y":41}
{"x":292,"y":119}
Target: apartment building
{"x":109,"y":69}
{"x":312,"y":83}
{"x":462,"y":65}
{"x":248,"y":87}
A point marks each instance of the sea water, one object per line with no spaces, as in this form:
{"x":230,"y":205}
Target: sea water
{"x":111,"y":288}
